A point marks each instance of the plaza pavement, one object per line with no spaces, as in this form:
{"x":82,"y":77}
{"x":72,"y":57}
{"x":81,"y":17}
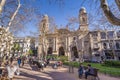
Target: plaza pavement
{"x":30,"y":73}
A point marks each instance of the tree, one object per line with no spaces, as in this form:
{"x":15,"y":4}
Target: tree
{"x":15,"y":48}
{"x":15,"y":15}
{"x":7,"y":15}
{"x":72,"y":22}
{"x":108,"y":13}
{"x":2,"y":5}
{"x":105,"y":7}
{"x":31,"y":52}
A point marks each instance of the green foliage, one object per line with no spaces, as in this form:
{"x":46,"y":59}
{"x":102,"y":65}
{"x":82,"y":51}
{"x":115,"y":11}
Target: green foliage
{"x":16,"y":47}
{"x":75,"y":64}
{"x":112,"y":63}
{"x":63,"y":58}
{"x":52,"y":56}
{"x":56,"y":57}
{"x":113,"y":71}
{"x":30,"y":52}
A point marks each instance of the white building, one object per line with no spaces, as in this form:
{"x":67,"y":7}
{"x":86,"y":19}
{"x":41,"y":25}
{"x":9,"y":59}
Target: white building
{"x":105,"y":44}
{"x":25,"y":44}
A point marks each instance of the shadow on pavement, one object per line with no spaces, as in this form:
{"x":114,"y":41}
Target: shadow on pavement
{"x":59,"y":76}
{"x":26,"y":68}
{"x":34,"y":67}
{"x":33,"y":77}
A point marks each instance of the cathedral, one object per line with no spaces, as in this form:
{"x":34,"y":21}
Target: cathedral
{"x":64,"y":42}
{"x":83,"y":44}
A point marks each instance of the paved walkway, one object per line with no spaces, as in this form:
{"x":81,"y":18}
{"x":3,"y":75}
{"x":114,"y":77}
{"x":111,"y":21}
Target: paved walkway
{"x":30,"y":73}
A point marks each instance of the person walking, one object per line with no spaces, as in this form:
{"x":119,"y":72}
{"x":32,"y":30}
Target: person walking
{"x":0,"y":69}
{"x":23,"y":61}
{"x":80,"y":71}
{"x":19,"y":61}
{"x":11,"y":60}
{"x":11,"y":69}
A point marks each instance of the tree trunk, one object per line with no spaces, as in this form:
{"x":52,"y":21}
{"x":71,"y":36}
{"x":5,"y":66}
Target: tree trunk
{"x":13,"y":16}
{"x":111,"y":18}
{"x":118,"y":3}
{"x":2,"y":5}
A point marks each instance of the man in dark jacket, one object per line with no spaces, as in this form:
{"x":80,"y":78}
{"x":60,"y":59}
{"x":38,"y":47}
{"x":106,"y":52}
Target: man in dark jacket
{"x":80,"y":71}
{"x":90,"y":71}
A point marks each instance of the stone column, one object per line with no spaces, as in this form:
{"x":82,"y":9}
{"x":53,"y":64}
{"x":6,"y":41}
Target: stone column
{"x":57,"y":46}
{"x":67,"y":46}
{"x":67,"y":43}
{"x":55,"y":43}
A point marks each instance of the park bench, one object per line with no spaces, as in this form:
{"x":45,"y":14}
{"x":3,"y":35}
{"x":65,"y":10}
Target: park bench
{"x":94,"y":76}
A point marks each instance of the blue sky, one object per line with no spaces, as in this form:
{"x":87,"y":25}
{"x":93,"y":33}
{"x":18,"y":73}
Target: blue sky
{"x":59,"y":12}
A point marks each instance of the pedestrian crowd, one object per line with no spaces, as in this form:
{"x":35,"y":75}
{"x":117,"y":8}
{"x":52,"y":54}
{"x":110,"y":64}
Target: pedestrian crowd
{"x":40,"y":64}
{"x":10,"y":66}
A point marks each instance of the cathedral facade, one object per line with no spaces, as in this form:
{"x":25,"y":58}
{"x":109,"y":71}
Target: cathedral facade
{"x":64,"y":42}
{"x":84,"y":44}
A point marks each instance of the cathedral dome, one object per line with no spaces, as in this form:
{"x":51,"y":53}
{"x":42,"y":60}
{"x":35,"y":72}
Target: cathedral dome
{"x":63,"y":30}
{"x":45,"y":15}
{"x":83,"y":10}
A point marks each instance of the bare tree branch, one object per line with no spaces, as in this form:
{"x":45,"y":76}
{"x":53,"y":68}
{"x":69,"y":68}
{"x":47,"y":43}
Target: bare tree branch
{"x":118,"y":3}
{"x":111,"y":18}
{"x":13,"y":16}
{"x":2,"y":5}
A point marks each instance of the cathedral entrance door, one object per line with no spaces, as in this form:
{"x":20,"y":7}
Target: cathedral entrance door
{"x":61,"y":51}
{"x":75,"y":52}
{"x":50,"y":50}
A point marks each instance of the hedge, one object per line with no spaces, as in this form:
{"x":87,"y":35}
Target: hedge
{"x":112,"y":71}
{"x":112,"y":63}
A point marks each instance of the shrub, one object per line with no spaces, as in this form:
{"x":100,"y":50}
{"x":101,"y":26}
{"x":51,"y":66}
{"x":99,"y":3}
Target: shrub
{"x":63,"y":58}
{"x":75,"y":64}
{"x":112,"y":63}
{"x":53,"y":56}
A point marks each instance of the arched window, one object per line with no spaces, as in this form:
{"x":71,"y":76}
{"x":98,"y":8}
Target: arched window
{"x":117,"y":45}
{"x":105,"y":45}
{"x":110,"y":45}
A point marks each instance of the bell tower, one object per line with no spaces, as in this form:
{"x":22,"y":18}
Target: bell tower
{"x":83,"y":19}
{"x":44,"y":25}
